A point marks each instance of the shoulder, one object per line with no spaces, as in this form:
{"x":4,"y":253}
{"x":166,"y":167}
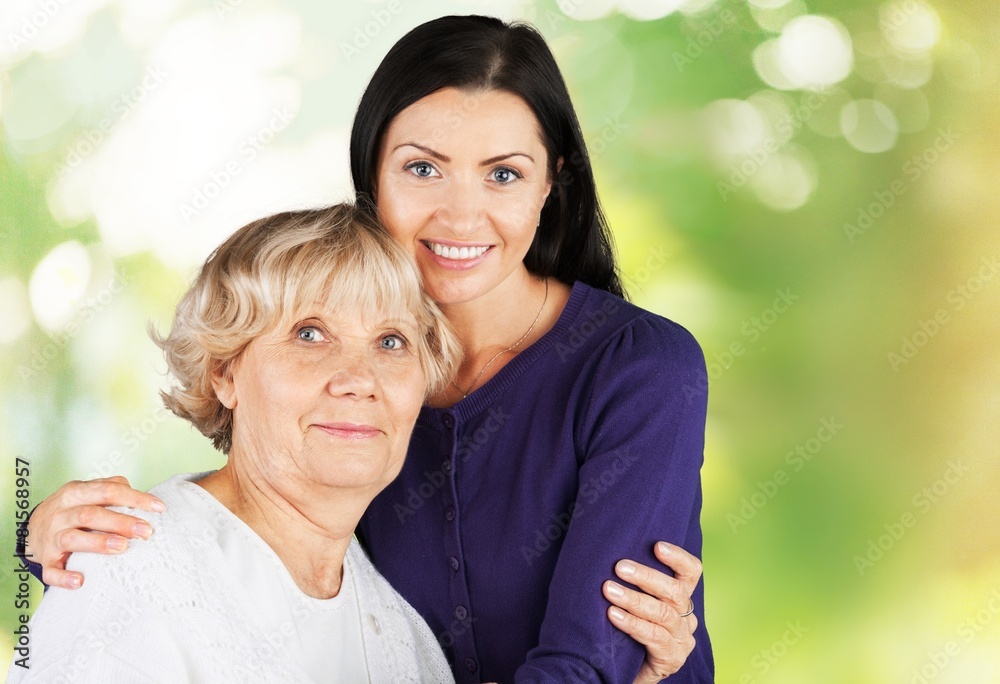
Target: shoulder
{"x":182,"y":498}
{"x":125,"y":572}
{"x":175,"y":533}
{"x":620,"y":333}
{"x":632,"y":364}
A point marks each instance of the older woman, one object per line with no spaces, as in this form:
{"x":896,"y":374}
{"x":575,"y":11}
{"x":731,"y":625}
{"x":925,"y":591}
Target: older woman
{"x":304,"y":351}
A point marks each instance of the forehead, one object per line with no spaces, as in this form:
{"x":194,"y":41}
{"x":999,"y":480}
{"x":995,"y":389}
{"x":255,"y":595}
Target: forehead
{"x":461,"y":117}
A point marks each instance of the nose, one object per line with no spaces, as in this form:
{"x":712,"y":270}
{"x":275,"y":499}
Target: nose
{"x":352,"y":375}
{"x":463,"y":208}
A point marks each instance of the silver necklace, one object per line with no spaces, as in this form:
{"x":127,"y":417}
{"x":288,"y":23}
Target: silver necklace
{"x":465,"y":393}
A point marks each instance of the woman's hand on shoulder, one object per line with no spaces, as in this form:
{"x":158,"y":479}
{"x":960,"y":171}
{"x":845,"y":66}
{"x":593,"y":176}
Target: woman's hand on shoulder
{"x":655,"y":616}
{"x":74,"y":518}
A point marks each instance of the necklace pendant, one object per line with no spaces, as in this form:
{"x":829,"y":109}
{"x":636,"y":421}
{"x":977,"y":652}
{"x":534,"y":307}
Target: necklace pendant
{"x":475,"y":380}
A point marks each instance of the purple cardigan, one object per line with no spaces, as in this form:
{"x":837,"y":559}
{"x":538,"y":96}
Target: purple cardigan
{"x":514,"y":504}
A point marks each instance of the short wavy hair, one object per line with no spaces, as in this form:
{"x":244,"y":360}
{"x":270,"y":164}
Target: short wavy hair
{"x":270,"y":271}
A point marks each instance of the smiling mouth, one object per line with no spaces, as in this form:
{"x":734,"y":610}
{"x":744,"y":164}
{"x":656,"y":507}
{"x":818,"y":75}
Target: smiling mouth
{"x":353,"y":431}
{"x":455,"y":253}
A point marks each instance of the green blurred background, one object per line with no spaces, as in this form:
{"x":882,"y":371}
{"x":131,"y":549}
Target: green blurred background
{"x":806,"y":185}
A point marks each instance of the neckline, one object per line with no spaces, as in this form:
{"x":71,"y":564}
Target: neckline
{"x":481,"y":398}
{"x":336,"y":603}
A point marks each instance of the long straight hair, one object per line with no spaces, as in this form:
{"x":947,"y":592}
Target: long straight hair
{"x":573,"y":241}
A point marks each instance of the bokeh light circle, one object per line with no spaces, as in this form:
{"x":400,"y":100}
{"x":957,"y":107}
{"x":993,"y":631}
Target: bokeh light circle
{"x":910,"y":25}
{"x":786,"y":181}
{"x":814,"y":51}
{"x":735,"y":128}
{"x":58,"y":284}
{"x":869,"y":126}
{"x":15,"y":314}
{"x":649,"y":10}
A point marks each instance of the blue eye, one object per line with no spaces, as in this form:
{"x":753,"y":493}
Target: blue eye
{"x":505,"y":175}
{"x":393,"y":342}
{"x":421,"y":169}
{"x":310,"y":334}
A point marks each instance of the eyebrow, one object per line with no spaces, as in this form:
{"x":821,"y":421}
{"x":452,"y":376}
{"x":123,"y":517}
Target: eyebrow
{"x":386,"y":322}
{"x":397,"y":323}
{"x":486,"y":162}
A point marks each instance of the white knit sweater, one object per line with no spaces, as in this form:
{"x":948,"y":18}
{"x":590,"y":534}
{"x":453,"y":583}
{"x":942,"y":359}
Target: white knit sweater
{"x":165,"y":612}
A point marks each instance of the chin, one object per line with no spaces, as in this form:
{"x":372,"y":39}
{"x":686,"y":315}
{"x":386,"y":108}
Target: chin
{"x":362,"y":473}
{"x":355,"y":481}
{"x":446,"y":291}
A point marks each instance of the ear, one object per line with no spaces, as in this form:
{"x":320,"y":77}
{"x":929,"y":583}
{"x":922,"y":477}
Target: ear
{"x":224,"y":386}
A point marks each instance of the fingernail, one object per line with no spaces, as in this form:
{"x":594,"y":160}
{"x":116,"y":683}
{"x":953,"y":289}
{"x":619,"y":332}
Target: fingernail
{"x":141,"y":529}
{"x":617,"y":614}
{"x":117,"y":543}
{"x":615,"y":590}
{"x":158,"y":506}
{"x":74,"y":582}
{"x":626,"y":568}
{"x":664,"y":548}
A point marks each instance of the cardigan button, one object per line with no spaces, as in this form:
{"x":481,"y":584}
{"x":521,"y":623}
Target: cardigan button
{"x":470,"y":665}
{"x":448,"y":420}
{"x":449,"y":513}
{"x":461,"y":613}
{"x":453,"y":562}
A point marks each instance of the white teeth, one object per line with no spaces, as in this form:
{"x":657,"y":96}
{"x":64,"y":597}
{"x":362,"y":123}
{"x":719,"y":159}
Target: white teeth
{"x":457,"y":253}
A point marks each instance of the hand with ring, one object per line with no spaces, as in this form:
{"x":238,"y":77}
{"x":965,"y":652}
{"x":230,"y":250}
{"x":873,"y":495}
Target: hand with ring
{"x":660,"y":615}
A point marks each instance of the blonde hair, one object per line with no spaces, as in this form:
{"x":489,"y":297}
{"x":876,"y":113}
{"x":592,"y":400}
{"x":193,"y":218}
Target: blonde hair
{"x":267,"y":272}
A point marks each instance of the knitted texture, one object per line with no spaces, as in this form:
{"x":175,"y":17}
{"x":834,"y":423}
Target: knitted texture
{"x":165,"y":612}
